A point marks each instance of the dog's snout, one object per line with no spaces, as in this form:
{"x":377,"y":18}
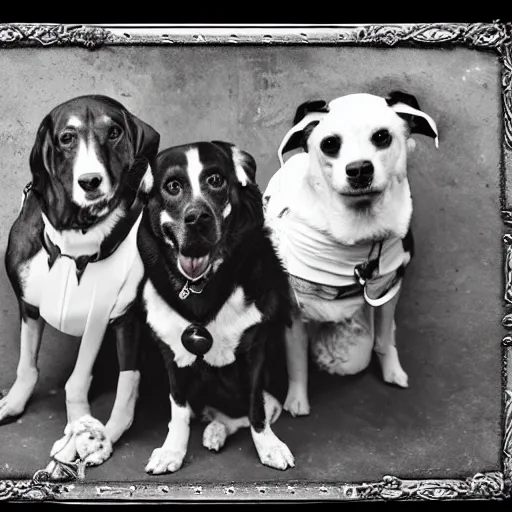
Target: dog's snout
{"x":196,"y":215}
{"x":359,"y":174}
{"x":360,"y":169}
{"x":90,"y":181}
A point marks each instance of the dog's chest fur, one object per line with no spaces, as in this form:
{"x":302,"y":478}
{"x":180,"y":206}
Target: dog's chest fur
{"x":227,"y":328}
{"x":118,"y":276}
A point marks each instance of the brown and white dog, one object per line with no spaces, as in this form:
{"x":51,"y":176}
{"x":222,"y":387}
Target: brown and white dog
{"x":73,"y":262}
{"x":340,"y":213}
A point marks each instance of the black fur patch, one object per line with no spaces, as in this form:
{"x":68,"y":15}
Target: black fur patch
{"x":308,"y":107}
{"x":416,"y":124}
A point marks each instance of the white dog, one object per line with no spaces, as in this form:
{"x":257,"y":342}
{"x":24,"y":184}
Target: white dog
{"x":340,"y":214}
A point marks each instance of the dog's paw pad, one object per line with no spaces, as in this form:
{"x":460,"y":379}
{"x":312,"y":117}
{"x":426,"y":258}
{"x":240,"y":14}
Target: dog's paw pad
{"x":276,"y":455}
{"x":297,"y":404}
{"x":214,"y":436}
{"x":163,"y":460}
{"x":396,"y":376}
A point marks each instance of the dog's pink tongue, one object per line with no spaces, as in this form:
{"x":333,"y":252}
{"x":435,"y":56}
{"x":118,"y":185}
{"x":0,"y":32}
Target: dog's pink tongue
{"x":194,"y":267}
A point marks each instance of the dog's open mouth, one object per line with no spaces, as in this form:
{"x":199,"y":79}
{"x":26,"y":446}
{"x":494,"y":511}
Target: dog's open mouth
{"x":193,"y":268}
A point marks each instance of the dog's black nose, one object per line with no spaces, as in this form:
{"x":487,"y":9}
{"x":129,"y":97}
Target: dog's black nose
{"x":359,"y":173}
{"x":197,"y":339}
{"x":90,"y":181}
{"x":195,"y":215}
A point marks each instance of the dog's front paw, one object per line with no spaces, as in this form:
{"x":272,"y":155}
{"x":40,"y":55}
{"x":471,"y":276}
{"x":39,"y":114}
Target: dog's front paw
{"x":272,"y":451}
{"x":13,"y":403}
{"x":297,"y":403}
{"x":214,"y":435}
{"x":92,"y":443}
{"x":396,"y":375}
{"x":164,"y":460}
{"x":84,"y":439}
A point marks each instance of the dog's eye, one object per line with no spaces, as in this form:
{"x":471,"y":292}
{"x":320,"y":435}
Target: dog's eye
{"x":215,"y":180}
{"x":67,"y":138}
{"x":381,"y":138}
{"x":173,"y":187}
{"x":331,"y":145}
{"x":114,"y":133}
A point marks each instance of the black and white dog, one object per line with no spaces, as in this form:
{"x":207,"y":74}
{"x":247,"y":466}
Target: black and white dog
{"x":216,"y":299}
{"x":340,"y":214}
{"x":73,"y":262}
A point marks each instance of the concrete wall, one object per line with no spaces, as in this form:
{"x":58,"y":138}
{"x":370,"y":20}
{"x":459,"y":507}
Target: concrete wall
{"x":450,"y":309}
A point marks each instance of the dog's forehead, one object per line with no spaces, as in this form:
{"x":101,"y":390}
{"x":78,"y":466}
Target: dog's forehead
{"x":363,"y":110}
{"x":80,"y":112}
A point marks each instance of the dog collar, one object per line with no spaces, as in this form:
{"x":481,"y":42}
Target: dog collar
{"x":107,"y":248}
{"x":196,"y":286}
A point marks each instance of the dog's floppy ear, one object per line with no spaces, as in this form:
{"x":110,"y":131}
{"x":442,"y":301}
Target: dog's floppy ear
{"x":245,"y":165}
{"x":41,"y":156}
{"x":145,"y":141}
{"x":408,"y":108}
{"x":307,"y":116}
{"x":46,"y":186}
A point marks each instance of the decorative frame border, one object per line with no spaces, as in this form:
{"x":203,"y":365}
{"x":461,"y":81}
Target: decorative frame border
{"x":494,"y":37}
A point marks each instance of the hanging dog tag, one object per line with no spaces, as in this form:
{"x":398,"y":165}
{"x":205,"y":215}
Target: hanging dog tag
{"x":364,"y":271}
{"x":185,"y":292}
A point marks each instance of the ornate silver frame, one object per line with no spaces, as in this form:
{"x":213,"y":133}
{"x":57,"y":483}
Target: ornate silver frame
{"x":494,"y":37}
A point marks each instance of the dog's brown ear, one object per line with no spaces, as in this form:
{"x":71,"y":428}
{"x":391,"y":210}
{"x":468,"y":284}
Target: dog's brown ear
{"x":245,"y":164}
{"x":408,"y":108}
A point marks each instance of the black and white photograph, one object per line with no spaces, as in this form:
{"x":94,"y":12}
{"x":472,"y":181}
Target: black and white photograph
{"x":255,"y":263}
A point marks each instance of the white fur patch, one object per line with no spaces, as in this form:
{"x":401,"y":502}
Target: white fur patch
{"x":194,"y":168}
{"x":73,"y":242}
{"x":147,"y":181}
{"x":227,"y":210}
{"x":87,"y":162}
{"x":74,"y":122}
{"x":165,"y":218}
{"x":233,"y":319}
{"x":238,"y":160}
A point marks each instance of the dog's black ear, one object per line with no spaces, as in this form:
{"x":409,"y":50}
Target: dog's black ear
{"x":417,"y":120}
{"x":307,"y":116}
{"x":41,"y":156}
{"x":42,"y":160}
{"x":145,"y":138}
{"x":300,"y":138}
{"x":145,"y":141}
{"x":307,"y":107}
{"x":46,"y":185}
{"x":244,"y":163}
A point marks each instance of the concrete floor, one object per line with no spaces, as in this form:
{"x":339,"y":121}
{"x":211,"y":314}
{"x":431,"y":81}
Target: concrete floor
{"x":447,"y":424}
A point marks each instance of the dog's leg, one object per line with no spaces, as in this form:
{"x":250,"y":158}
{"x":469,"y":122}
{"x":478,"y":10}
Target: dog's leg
{"x":297,"y":402}
{"x":14,"y":403}
{"x":262,"y":408}
{"x":385,"y":344}
{"x":84,"y":436}
{"x":220,"y":426}
{"x":169,"y":457}
{"x":127,"y":333}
